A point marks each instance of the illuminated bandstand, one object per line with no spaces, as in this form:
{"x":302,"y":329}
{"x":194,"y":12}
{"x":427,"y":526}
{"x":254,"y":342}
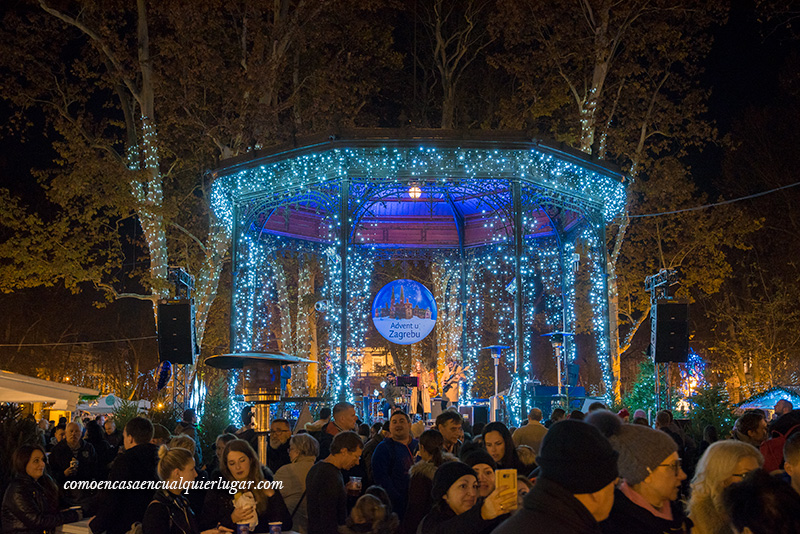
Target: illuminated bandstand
{"x":502,"y":231}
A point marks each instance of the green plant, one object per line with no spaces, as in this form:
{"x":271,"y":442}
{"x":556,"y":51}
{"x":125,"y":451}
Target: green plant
{"x":642,"y":395}
{"x":216,"y":413}
{"x":126,"y":411}
{"x":163,"y":416}
{"x":711,"y":406}
{"x":15,"y":430}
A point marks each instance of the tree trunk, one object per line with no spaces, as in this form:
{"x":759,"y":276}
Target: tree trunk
{"x":207,"y":285}
{"x":615,"y":355}
{"x":448,"y":105}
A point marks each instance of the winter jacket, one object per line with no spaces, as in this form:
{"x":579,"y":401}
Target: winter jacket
{"x":278,"y":457}
{"x":390,"y":464}
{"x":31,"y":507}
{"x":531,"y":435}
{"x":629,"y":518}
{"x":325,"y":438}
{"x":442,"y":520}
{"x":706,"y":517}
{"x":118,"y":509}
{"x":293,"y":476}
{"x":168,"y":513}
{"x":366,"y":456}
{"x":550,"y":509}
{"x":88,"y":469}
{"x":420,"y":502}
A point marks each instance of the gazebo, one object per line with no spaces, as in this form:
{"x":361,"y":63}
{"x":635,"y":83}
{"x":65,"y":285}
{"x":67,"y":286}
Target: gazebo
{"x":507,"y":234}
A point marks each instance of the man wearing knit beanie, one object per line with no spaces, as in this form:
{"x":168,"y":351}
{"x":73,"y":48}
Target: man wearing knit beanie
{"x":575,"y":487}
{"x":651,"y":477}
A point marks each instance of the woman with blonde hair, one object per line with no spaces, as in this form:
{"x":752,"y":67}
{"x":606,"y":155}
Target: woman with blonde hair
{"x":169,"y":512}
{"x":240,"y":465}
{"x":723,"y":463}
{"x":197,"y":496}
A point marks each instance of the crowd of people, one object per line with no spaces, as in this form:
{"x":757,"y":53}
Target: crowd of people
{"x":574,"y":473}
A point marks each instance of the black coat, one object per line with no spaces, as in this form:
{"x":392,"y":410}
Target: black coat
{"x":31,"y":507}
{"x":442,"y":520}
{"x":629,"y":518}
{"x":277,"y":458}
{"x":169,"y":514}
{"x":420,"y":501}
{"x":88,"y":469}
{"x":550,"y":509}
{"x":118,"y":509}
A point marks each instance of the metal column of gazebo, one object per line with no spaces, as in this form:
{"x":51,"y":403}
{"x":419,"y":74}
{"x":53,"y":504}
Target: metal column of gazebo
{"x":496,"y":219}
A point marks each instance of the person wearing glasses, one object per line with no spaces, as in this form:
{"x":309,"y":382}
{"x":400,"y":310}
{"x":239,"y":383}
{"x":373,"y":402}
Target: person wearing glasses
{"x":278,"y":451}
{"x":724,"y":463}
{"x":646,"y":500}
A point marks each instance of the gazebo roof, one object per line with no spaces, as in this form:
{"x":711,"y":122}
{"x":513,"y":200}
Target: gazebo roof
{"x":463,"y":180}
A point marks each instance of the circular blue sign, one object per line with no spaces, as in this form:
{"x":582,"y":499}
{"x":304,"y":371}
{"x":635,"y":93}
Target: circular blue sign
{"x":404,"y":312}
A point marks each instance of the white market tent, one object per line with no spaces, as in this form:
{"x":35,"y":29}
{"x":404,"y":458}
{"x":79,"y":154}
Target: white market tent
{"x":108,"y":404}
{"x":21,"y":388}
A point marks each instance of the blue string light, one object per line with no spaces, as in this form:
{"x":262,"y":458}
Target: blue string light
{"x":311,"y":179}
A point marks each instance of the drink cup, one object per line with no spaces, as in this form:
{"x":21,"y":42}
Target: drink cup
{"x":242,"y":528}
{"x":354,"y":486}
{"x":275,"y":527}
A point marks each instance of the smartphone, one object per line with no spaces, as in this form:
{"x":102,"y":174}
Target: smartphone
{"x":505,"y":478}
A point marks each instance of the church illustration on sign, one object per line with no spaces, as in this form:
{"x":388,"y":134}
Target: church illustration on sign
{"x":402,"y":308}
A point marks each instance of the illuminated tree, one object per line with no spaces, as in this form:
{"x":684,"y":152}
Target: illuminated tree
{"x":619,"y":81}
{"x":141,"y":101}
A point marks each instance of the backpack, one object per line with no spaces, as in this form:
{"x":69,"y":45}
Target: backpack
{"x":772,"y":449}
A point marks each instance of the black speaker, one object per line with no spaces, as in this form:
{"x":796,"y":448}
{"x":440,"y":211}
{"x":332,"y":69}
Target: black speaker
{"x":671,"y":336}
{"x":176,"y":331}
{"x":474,"y":414}
{"x":573,"y":373}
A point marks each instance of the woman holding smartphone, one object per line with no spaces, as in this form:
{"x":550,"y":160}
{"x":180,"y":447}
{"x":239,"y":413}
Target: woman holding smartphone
{"x":457,"y":507}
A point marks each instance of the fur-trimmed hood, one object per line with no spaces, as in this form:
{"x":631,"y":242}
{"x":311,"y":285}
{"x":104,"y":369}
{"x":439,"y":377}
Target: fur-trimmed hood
{"x":707,"y":519}
{"x":427,"y":469}
{"x":317,"y":425}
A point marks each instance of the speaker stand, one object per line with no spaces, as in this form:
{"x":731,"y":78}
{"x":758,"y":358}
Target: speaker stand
{"x":663,"y":390}
{"x":179,"y":391}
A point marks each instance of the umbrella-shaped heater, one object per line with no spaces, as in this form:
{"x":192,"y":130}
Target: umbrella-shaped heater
{"x":261,"y":383}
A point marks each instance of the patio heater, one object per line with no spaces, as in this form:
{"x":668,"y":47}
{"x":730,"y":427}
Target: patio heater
{"x":495,"y":404}
{"x":557,"y":340}
{"x":261,"y":384}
